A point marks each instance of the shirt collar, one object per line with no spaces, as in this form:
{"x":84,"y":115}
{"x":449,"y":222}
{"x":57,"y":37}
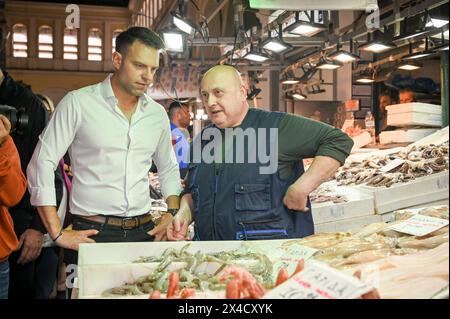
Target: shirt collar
{"x":108,"y":94}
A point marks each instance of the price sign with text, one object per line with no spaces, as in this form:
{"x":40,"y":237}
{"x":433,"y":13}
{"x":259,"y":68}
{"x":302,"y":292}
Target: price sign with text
{"x":420,"y":225}
{"x":319,"y":281}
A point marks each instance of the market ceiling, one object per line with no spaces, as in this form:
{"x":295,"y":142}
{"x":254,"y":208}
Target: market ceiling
{"x":113,"y":3}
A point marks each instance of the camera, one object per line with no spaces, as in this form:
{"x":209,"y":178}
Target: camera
{"x":17,"y":117}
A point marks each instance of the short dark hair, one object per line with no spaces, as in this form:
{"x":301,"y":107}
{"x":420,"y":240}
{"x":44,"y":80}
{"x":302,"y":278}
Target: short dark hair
{"x":174,"y":107}
{"x":126,"y":39}
{"x":393,"y":95}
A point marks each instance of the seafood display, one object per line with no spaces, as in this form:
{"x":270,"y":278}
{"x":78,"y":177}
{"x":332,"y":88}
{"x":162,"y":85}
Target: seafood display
{"x":192,"y":271}
{"x":326,"y":194}
{"x":414,"y":162}
{"x":400,"y":261}
{"x":409,"y":276}
{"x":376,"y":241}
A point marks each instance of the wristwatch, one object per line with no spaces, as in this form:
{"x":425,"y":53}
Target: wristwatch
{"x":172,"y":211}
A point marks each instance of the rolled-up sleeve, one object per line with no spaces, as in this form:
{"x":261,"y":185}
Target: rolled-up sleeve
{"x":53,"y":144}
{"x":166,"y":162}
{"x":300,"y":138}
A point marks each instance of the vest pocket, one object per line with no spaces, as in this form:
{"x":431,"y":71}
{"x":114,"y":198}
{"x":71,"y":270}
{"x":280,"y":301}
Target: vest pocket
{"x":262,"y":229}
{"x":252,"y":197}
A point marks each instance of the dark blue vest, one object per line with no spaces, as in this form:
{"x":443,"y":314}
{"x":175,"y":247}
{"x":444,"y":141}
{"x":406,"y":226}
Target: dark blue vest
{"x":237,"y":202}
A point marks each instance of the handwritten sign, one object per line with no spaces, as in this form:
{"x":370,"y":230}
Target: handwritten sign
{"x":392,"y":164}
{"x":319,"y":281}
{"x":420,"y":225}
{"x":290,"y":258}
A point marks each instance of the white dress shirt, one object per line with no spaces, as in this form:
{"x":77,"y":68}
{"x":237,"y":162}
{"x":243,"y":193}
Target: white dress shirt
{"x":110,"y":156}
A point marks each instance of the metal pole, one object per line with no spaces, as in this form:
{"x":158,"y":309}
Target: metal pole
{"x":444,"y":87}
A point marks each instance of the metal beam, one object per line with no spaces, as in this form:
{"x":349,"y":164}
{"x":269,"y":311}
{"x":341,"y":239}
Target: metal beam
{"x":216,"y":11}
{"x":408,"y":12}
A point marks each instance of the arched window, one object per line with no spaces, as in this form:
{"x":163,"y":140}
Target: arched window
{"x":95,"y":45}
{"x":45,"y":42}
{"x":70,"y":44}
{"x":115,"y":34}
{"x":20,"y":41}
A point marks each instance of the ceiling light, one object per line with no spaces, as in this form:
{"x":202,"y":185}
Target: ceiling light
{"x":290,"y":81}
{"x":173,"y":41}
{"x":409,"y":65}
{"x":365,"y":79}
{"x":276,"y":45}
{"x":256,"y":56}
{"x":376,"y":46}
{"x":328,"y":65}
{"x":304,"y":28}
{"x":183,"y":24}
{"x":437,"y":23}
{"x":299,"y":96}
{"x":343,"y":56}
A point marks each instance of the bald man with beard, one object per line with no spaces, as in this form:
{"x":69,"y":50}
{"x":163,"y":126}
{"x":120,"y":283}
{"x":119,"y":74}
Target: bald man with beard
{"x":235,"y":199}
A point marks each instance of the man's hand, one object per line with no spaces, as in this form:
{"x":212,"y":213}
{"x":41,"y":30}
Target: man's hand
{"x":31,"y":243}
{"x":70,"y":239}
{"x":160,"y":230}
{"x":5,"y":128}
{"x":296,"y":198}
{"x":177,"y":231}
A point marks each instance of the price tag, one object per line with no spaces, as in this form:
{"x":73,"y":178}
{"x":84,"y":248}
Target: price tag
{"x":420,"y":225}
{"x":319,"y":281}
{"x":290,"y":259}
{"x":442,"y":182}
{"x":392,"y":164}
{"x":337,"y":211}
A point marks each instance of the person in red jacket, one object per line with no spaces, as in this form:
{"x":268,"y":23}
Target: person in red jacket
{"x":12,"y":188}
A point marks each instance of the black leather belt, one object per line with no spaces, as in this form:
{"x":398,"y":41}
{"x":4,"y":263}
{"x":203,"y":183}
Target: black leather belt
{"x":124,"y":223}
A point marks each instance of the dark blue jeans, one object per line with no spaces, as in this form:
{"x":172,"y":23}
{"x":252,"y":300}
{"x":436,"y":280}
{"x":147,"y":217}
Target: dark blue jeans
{"x":107,"y":234}
{"x":4,"y":279}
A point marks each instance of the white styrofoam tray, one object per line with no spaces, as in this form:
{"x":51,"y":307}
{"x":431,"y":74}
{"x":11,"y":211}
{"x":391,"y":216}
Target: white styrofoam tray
{"x":102,"y":266}
{"x":437,"y":138}
{"x":410,"y":119}
{"x":404,"y":136}
{"x":358,"y":204}
{"x":414,"y":107}
{"x":349,"y":224}
{"x":421,"y":190}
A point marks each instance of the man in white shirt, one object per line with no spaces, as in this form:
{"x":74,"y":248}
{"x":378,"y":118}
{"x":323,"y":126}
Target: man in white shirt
{"x":112,"y":131}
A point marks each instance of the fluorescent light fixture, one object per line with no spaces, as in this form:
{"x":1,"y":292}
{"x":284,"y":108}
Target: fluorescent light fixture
{"x":411,"y":35}
{"x":256,"y":56}
{"x":183,"y":24}
{"x":441,"y":48}
{"x":377,"y":46}
{"x":409,"y":65}
{"x":437,"y":23}
{"x":439,"y":35}
{"x":200,"y":111}
{"x":343,"y":56}
{"x":275,"y":45}
{"x":204,"y":117}
{"x":418,"y":55}
{"x":173,"y":41}
{"x":305,"y":28}
{"x":299,"y":96}
{"x":328,"y":65}
{"x":290,"y":81}
{"x":365,"y":79}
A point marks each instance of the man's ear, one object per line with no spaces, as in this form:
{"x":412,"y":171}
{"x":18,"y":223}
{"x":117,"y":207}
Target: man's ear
{"x":243,"y":91}
{"x":117,"y":60}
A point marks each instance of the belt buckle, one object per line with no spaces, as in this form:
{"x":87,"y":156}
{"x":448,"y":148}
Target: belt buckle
{"x":129,"y":223}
